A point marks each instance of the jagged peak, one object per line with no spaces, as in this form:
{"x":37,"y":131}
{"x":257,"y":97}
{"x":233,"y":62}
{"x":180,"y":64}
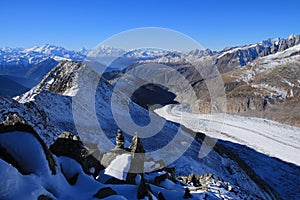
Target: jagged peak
{"x":136,"y":144}
{"x":292,"y":36}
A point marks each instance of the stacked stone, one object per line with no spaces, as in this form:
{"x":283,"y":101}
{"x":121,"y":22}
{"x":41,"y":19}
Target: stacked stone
{"x":120,"y":140}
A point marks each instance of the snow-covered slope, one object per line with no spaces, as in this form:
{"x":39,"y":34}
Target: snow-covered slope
{"x":51,"y":108}
{"x":264,"y":136}
{"x":27,"y":178}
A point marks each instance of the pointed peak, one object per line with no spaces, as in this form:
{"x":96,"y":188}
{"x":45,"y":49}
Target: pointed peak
{"x":136,"y":144}
{"x":83,"y":51}
{"x":292,"y":36}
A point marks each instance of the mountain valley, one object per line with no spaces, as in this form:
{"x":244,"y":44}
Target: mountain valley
{"x":53,"y":100}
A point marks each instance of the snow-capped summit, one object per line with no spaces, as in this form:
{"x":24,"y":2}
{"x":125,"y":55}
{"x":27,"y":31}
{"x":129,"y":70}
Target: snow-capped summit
{"x":56,"y":52}
{"x":35,"y":62}
{"x":200,"y":53}
{"x":104,"y":50}
{"x":292,"y":36}
{"x":271,"y":41}
{"x":83,"y":51}
{"x":108,"y":51}
{"x":145,"y":53}
{"x":37,"y":54}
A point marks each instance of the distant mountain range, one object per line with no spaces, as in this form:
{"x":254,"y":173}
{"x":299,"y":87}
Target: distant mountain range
{"x":259,"y":79}
{"x":16,"y":61}
{"x":33,"y":63}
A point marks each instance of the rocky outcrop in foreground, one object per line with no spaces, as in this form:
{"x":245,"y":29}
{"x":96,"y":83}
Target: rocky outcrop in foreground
{"x":29,"y":170}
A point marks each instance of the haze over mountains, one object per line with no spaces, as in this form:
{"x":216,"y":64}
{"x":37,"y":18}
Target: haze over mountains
{"x":259,"y":80}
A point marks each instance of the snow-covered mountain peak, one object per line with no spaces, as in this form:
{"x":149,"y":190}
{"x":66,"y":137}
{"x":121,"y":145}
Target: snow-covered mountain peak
{"x":46,"y":49}
{"x":109,"y":51}
{"x":200,"y":53}
{"x":37,"y":54}
{"x":105,"y":50}
{"x":146,"y":53}
{"x":292,"y":36}
{"x":62,"y":79}
{"x":271,"y":41}
{"x":83,"y":51}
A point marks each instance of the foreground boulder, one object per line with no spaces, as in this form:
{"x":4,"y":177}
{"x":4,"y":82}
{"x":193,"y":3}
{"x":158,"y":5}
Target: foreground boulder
{"x":70,"y":145}
{"x":13,"y":123}
{"x":28,"y":170}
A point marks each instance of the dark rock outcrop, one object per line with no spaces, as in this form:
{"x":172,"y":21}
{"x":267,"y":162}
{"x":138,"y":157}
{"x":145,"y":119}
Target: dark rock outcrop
{"x":71,"y":180}
{"x":291,"y":41}
{"x":70,"y":145}
{"x":193,"y":179}
{"x":159,"y":179}
{"x":172,"y":172}
{"x":160,"y":196}
{"x":187,"y":193}
{"x":270,"y":50}
{"x":114,"y":180}
{"x":14,"y":123}
{"x":142,"y":190}
{"x":104,"y":192}
{"x":231,"y":60}
{"x":44,"y":197}
{"x":284,"y":44}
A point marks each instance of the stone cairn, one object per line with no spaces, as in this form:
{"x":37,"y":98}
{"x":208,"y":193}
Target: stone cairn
{"x":120,"y":140}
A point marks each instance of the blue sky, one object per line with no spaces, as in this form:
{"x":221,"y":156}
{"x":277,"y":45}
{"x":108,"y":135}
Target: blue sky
{"x":213,"y":24}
